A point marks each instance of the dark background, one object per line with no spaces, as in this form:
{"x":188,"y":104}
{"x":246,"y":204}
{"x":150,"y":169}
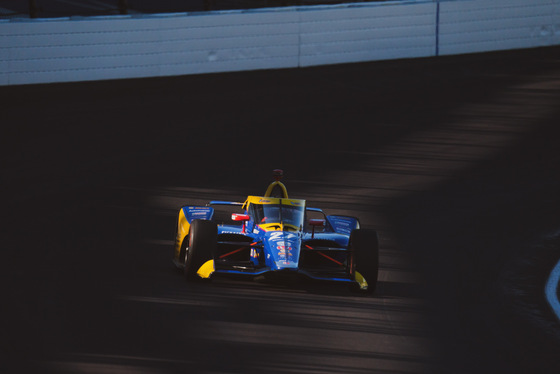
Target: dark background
{"x":57,"y":8}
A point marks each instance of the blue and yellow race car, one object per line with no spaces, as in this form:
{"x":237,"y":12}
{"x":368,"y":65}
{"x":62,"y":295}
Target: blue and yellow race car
{"x":275,"y":236}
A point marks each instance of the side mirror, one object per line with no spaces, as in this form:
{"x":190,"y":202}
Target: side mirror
{"x":241,"y":218}
{"x":315,"y":223}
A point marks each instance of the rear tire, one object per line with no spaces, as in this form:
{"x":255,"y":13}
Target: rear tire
{"x":365,"y":245}
{"x":202,"y":245}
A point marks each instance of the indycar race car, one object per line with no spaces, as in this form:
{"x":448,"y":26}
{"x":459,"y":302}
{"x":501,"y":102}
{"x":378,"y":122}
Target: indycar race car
{"x":274,"y":235}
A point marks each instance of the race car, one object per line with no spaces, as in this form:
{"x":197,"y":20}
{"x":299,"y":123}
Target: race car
{"x":271,"y":236}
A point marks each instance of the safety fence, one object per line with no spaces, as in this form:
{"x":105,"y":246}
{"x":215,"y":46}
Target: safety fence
{"x":129,"y":46}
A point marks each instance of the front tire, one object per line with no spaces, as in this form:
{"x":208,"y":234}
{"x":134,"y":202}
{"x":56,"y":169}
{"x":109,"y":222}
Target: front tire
{"x":202,"y":245}
{"x":365,"y":246}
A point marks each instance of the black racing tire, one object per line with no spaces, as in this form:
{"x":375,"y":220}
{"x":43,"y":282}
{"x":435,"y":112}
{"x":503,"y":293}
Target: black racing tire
{"x":182,"y":251}
{"x":202,"y":245}
{"x":365,"y":246}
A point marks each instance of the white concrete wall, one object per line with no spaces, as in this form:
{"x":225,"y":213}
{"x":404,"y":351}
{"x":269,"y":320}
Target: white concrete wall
{"x":91,"y":49}
{"x":367,"y":33}
{"x":489,"y":25}
{"x":62,"y":50}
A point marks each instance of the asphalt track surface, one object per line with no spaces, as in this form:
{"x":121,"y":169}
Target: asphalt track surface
{"x":453,"y":160}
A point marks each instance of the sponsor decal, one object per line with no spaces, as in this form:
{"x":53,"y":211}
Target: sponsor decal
{"x":284,"y":248}
{"x":284,"y":251}
{"x":281,"y":235}
{"x":283,"y":244}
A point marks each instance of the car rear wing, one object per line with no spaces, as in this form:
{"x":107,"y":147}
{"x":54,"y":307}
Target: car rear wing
{"x":192,"y":212}
{"x":218,"y":202}
{"x":337,"y":223}
{"x":344,"y":224}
